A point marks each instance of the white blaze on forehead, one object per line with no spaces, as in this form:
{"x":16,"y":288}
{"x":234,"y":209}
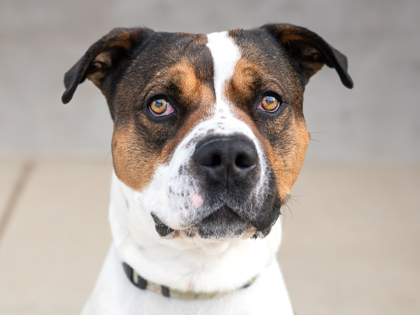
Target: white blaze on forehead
{"x":225,"y":55}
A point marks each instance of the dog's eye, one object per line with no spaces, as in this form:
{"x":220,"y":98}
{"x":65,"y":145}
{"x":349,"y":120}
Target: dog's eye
{"x":269,"y":103}
{"x":161,"y":107}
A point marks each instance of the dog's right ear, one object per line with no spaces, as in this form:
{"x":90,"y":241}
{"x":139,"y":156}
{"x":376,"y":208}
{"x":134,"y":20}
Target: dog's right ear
{"x":102,"y":59}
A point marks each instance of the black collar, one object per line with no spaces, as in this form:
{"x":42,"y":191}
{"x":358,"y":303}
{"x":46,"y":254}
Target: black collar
{"x":144,"y":284}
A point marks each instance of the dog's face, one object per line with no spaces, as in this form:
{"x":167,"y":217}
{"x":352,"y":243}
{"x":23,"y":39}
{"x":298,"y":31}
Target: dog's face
{"x":208,"y":129}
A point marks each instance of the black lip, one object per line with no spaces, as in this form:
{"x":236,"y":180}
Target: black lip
{"x":223,"y":213}
{"x":223,"y":222}
{"x":161,"y":228}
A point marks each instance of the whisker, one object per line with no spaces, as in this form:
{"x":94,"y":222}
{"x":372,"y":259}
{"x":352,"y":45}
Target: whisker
{"x":106,"y":157}
{"x":295,"y":200}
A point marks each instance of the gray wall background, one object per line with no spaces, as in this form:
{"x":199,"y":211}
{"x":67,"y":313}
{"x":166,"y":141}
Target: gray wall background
{"x":377,"y":121}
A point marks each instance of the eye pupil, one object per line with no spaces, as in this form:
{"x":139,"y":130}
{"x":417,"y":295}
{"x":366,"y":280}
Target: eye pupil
{"x":159,"y":103}
{"x":270,"y":99}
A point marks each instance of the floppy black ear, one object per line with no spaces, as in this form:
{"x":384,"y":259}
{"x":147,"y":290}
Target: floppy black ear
{"x":102,"y":58}
{"x":309,"y":51}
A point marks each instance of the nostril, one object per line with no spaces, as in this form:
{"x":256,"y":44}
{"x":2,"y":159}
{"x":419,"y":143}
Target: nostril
{"x":212,"y":160}
{"x":244,"y":161}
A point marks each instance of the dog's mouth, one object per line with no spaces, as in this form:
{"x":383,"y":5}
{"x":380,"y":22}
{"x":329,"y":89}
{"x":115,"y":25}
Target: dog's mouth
{"x":221,"y":224}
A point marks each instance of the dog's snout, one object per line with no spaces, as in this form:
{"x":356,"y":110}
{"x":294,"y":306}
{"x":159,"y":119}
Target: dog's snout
{"x":226,"y":158}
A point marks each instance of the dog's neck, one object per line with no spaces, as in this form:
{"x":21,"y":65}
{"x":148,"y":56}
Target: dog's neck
{"x":192,"y":264}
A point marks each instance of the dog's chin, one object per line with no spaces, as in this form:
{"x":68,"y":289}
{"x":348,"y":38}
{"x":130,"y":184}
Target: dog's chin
{"x":222,"y":224}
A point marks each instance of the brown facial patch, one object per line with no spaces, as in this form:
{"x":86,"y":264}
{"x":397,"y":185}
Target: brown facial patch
{"x":185,"y":79}
{"x":245,"y":83}
{"x":287,"y":161}
{"x":133,"y":163}
{"x":135,"y":156}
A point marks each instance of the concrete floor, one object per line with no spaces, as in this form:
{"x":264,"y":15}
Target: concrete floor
{"x":350,"y":246}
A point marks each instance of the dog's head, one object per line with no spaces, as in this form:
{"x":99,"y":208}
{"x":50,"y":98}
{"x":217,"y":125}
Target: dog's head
{"x":208,"y":129}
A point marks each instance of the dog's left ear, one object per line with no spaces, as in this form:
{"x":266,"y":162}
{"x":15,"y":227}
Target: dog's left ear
{"x":102,"y":59}
{"x":309,"y":51}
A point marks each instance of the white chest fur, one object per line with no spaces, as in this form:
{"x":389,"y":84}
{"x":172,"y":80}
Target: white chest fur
{"x":184,"y":265}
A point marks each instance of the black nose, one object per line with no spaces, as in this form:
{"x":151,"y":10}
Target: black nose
{"x":226,"y":159}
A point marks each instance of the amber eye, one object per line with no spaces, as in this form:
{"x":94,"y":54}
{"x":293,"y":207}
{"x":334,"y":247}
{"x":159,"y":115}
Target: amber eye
{"x":269,"y":103}
{"x":159,"y":106}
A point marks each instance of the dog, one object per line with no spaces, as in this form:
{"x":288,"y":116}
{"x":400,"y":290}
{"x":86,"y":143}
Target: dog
{"x":209,"y":137}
